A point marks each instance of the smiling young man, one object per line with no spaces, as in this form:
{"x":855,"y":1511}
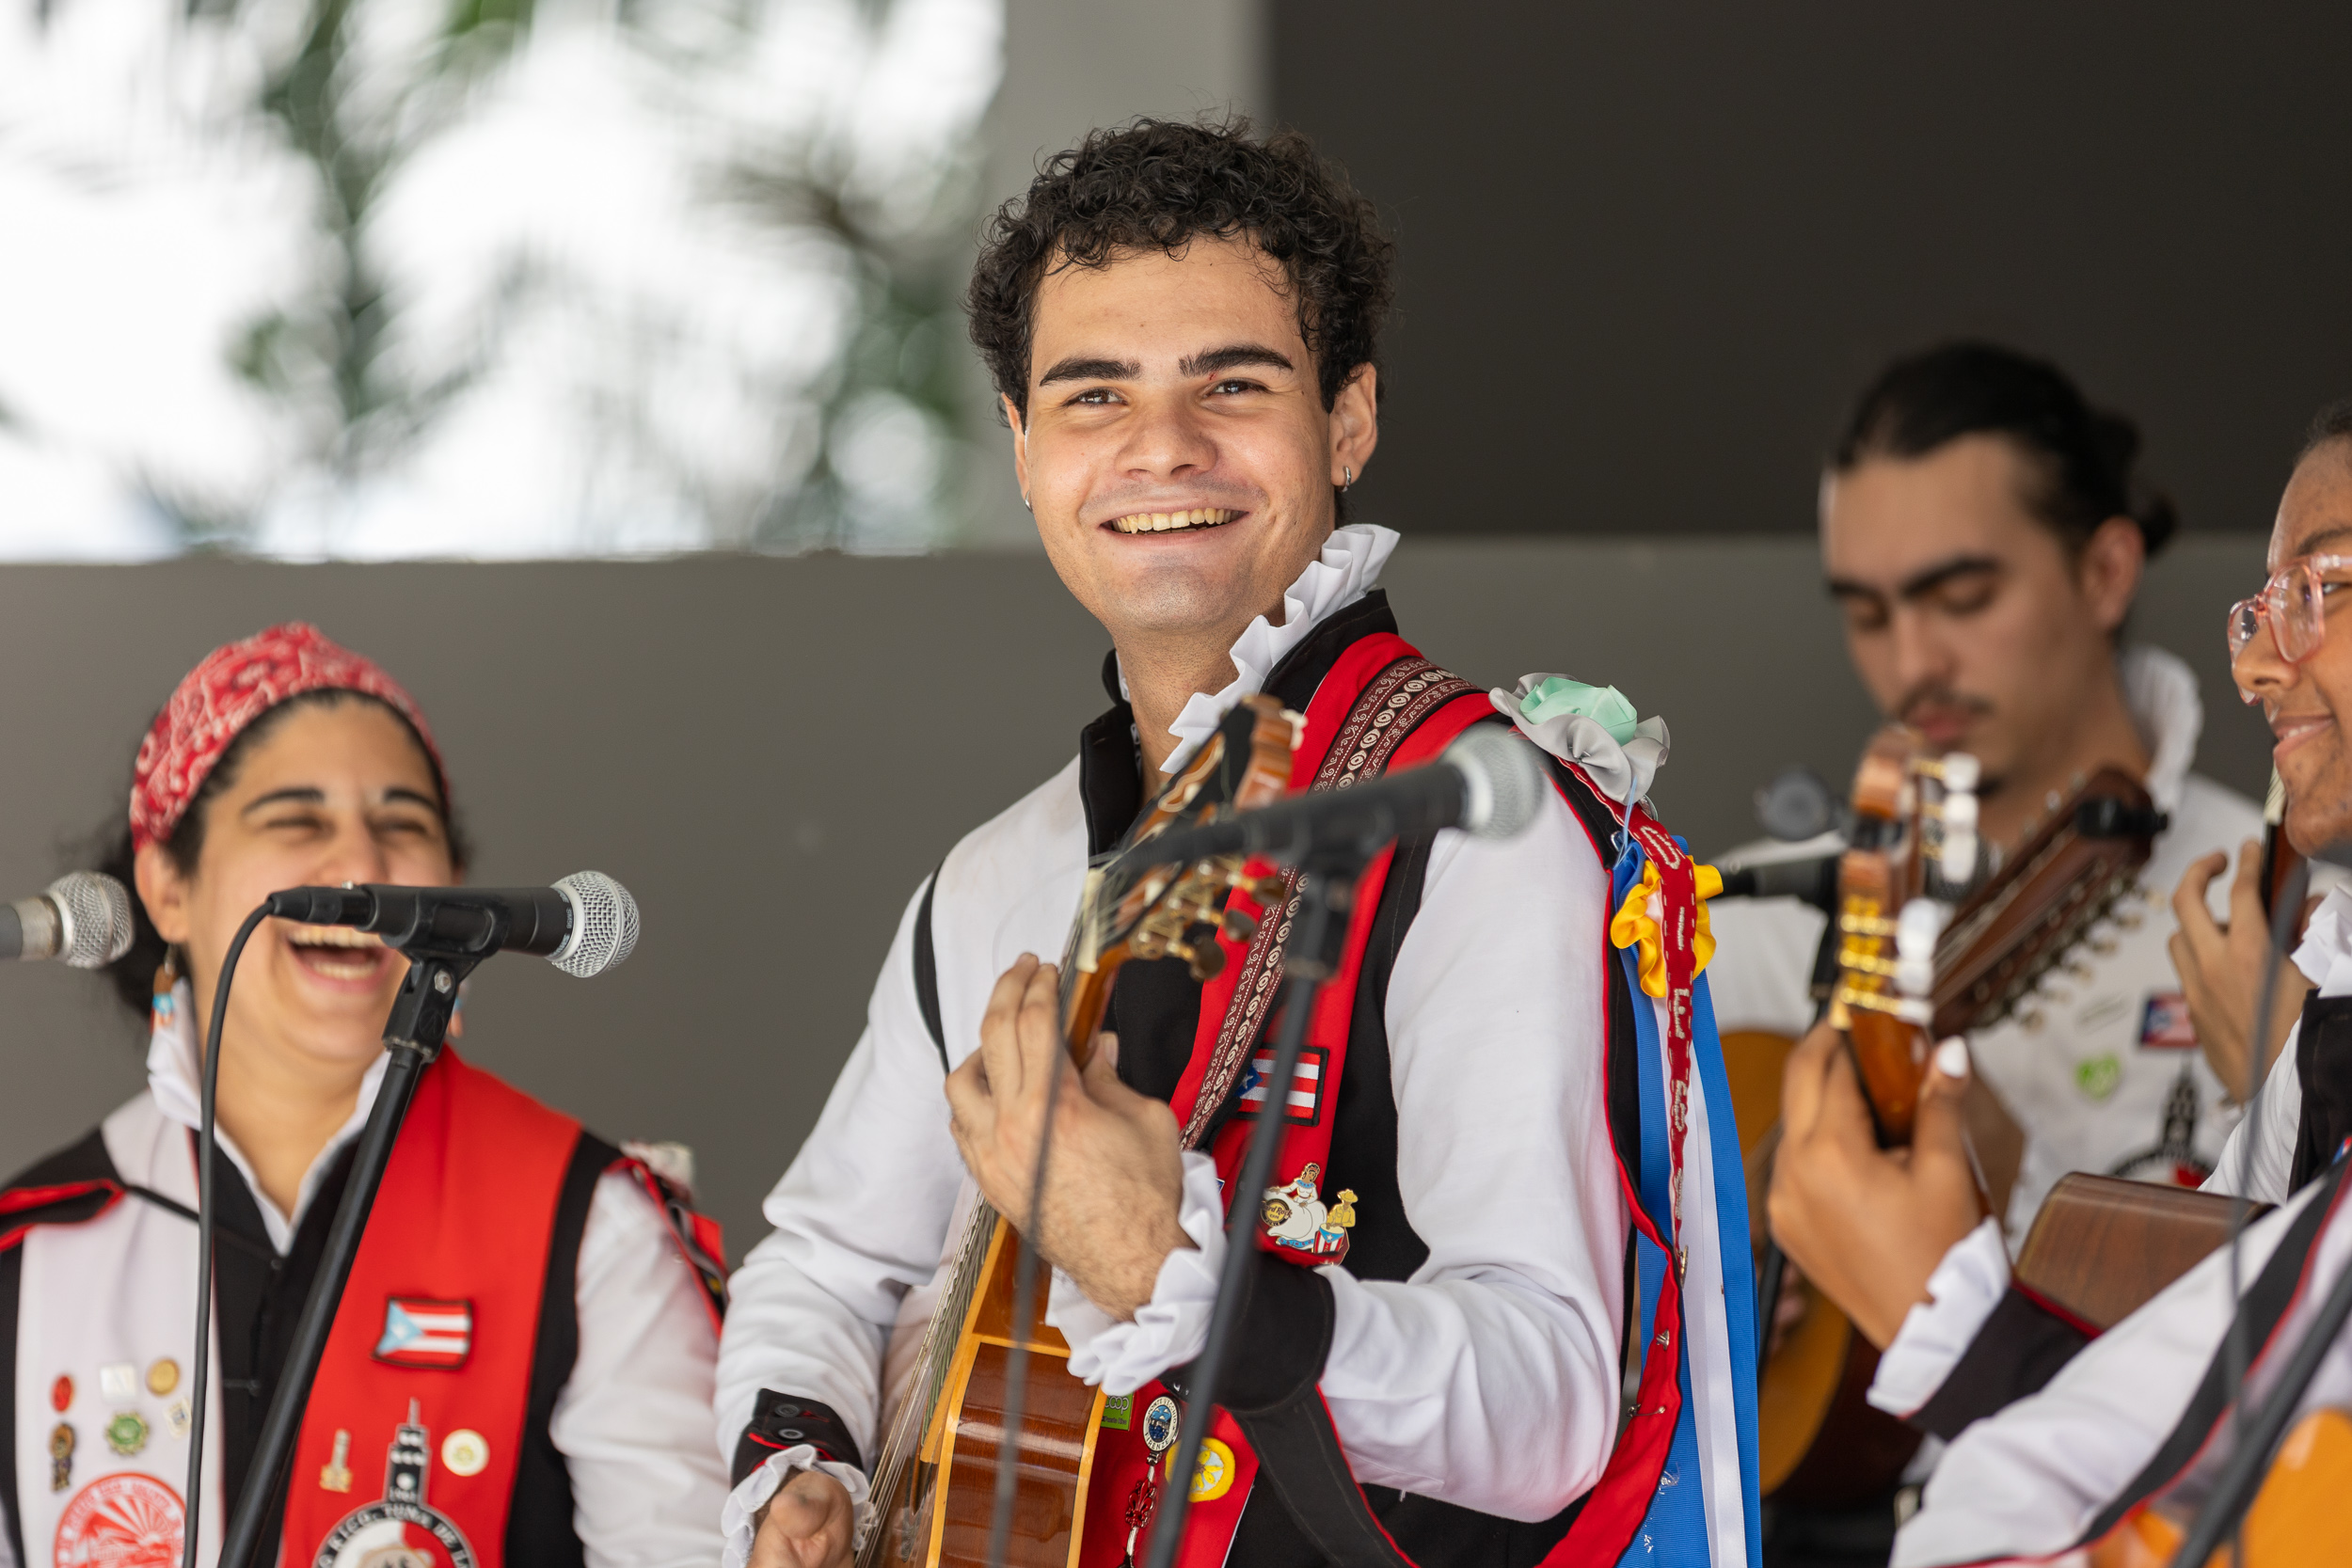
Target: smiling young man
{"x":2056,"y":1442}
{"x":1181,"y":322}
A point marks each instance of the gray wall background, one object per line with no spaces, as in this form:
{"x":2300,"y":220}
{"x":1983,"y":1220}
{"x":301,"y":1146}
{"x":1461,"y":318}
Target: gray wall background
{"x":773,"y":753}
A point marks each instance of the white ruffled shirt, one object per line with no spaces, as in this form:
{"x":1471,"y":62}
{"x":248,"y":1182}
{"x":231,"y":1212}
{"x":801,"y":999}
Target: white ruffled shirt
{"x":1489,"y":1379}
{"x":1347,"y":568}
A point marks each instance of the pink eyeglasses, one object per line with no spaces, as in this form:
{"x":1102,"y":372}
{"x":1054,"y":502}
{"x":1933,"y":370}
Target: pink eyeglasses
{"x":2294,"y":602}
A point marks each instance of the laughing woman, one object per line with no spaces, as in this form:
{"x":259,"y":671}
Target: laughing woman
{"x":520,"y":1372}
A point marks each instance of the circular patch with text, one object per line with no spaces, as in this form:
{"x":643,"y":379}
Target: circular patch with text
{"x":127,"y":1520}
{"x":391,"y":1534}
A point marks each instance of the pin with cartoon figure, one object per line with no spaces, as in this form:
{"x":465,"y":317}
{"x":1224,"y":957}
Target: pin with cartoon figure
{"x":1297,"y":1217}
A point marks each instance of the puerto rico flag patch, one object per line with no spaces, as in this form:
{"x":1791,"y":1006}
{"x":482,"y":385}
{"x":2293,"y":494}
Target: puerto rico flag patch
{"x":1305,"y":1106}
{"x":2165,"y":1025}
{"x":420,"y":1333}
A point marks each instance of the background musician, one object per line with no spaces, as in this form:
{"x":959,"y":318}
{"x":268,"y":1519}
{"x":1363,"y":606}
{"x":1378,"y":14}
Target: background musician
{"x":2125,"y":1419}
{"x":1983,"y":534}
{"x":520,"y":1323}
{"x":1183,"y":322}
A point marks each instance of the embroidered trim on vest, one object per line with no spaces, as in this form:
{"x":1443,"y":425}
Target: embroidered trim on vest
{"x":1396,"y":701}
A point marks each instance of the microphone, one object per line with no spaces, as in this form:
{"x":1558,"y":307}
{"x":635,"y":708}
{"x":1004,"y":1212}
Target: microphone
{"x":584,"y":925}
{"x":83,"y":917}
{"x":1488,"y":783}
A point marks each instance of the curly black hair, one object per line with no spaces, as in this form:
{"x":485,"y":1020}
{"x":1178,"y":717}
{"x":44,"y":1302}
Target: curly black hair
{"x":1158,"y":185}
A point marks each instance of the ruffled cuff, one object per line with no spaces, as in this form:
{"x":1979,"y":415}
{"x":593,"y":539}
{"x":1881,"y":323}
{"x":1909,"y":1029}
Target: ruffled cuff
{"x":739,"y":1520}
{"x":1963,"y":1291}
{"x":1170,"y":1328}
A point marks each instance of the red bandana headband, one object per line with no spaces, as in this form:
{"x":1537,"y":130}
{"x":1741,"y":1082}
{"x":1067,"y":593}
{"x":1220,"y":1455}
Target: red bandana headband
{"x":235,"y":686}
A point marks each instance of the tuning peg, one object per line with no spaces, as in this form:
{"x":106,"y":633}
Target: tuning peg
{"x":1239,"y":927}
{"x":1958,"y":859}
{"x":1207,"y":960}
{"x":1916,"y":932}
{"x":1268,"y":891}
{"x":1959,"y":771}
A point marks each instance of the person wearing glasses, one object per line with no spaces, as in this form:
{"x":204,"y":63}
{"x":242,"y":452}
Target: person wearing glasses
{"x":1984,"y":531}
{"x":2057,"y":1436}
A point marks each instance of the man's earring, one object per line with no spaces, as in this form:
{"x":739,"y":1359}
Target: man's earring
{"x":1348,"y":479}
{"x":1027,"y":505}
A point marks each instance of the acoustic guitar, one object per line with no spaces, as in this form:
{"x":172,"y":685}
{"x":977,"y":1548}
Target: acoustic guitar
{"x":1924,"y":950}
{"x":935,"y":1477}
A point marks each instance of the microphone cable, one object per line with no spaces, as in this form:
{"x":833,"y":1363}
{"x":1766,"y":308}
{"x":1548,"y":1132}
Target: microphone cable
{"x":206,"y":1135}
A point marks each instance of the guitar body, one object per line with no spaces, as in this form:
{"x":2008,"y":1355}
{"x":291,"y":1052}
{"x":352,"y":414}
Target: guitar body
{"x":2102,"y":1247}
{"x":1818,"y":1440}
{"x":939,"y":1511}
{"x":2298,"y":1518}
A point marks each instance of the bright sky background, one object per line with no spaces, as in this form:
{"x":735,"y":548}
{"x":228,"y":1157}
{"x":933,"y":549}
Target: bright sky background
{"x":644,"y":356}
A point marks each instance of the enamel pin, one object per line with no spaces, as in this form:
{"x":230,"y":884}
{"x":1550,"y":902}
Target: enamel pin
{"x":1297,"y":1217}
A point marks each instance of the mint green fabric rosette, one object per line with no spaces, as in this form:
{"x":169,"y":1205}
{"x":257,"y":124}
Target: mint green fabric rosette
{"x":1594,"y":726}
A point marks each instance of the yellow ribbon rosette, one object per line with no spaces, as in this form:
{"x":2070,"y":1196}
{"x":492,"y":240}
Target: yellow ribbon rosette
{"x":1636,"y":921}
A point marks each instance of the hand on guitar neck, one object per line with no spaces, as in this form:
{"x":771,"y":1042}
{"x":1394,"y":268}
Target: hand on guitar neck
{"x":1115,"y":1177}
{"x":1870,"y":1224}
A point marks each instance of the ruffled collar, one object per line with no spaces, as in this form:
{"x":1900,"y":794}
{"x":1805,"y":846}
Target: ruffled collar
{"x":2161,"y":692}
{"x":173,"y":1083}
{"x":1348,"y":566}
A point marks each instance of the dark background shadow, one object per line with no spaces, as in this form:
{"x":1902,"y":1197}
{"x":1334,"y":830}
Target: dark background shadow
{"x":1648,"y":253}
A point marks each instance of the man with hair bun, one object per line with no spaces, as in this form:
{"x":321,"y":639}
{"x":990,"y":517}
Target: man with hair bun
{"x":1984,"y":532}
{"x":1183,"y":325}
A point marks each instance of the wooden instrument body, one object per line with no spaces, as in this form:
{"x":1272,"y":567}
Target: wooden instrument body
{"x":1819,"y":1440}
{"x":2298,"y":1516}
{"x":935,"y":1481}
{"x":941,"y":1507}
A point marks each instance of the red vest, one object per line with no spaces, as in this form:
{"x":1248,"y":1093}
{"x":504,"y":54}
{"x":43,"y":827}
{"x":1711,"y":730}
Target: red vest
{"x":1379,"y":688}
{"x":417,"y":1420}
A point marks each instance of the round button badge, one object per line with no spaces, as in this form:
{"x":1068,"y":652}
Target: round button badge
{"x":464,"y":1453}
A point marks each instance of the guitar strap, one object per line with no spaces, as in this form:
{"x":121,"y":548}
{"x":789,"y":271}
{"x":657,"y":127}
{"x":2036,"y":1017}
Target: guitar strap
{"x":1384,"y":705}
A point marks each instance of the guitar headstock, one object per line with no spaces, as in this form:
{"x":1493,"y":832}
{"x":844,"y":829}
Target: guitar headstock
{"x":1178,"y":911}
{"x":1913,"y":844}
{"x":2081,"y":857}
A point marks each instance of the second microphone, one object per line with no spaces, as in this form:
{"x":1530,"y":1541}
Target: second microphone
{"x":584,"y":925}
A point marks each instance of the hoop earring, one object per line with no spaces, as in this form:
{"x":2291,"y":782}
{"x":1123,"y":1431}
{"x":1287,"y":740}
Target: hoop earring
{"x":1027,"y":505}
{"x":1348,"y":479}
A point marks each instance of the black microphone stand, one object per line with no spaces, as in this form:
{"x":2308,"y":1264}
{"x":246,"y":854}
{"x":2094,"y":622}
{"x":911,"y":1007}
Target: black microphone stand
{"x":412,"y":1037}
{"x":1326,"y":889}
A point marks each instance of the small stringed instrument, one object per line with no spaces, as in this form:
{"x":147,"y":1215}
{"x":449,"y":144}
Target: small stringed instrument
{"x":934,"y":1480}
{"x":1926,"y":950}
{"x":2298,"y":1518}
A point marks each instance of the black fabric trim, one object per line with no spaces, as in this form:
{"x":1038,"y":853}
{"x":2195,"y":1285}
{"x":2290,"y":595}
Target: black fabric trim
{"x":85,"y":1160}
{"x":927,"y":969}
{"x":1282,"y":1338}
{"x":540,"y":1526}
{"x":2261,"y":1309}
{"x":1299,"y":1457}
{"x":1625,"y":1072}
{"x":2016,"y":1352}
{"x":780,"y":1421}
{"x":2323,"y":1063}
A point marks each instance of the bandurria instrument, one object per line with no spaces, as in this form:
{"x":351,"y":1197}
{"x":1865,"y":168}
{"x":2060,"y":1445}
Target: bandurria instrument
{"x":935,"y":1477}
{"x":1912,"y":968}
